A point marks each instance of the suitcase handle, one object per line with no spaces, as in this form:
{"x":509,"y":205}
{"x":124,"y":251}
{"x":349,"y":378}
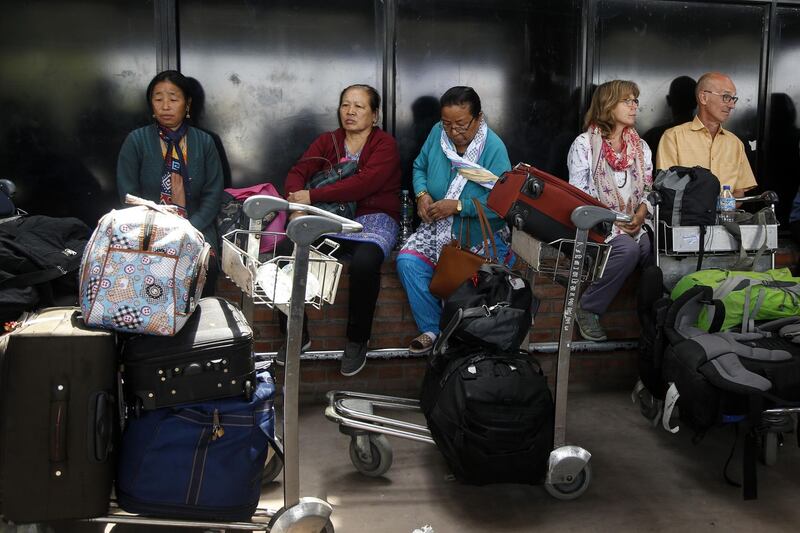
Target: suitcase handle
{"x":59,"y":394}
{"x":100,"y":426}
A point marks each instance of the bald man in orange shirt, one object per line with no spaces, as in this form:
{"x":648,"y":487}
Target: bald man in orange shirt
{"x":704,"y":142}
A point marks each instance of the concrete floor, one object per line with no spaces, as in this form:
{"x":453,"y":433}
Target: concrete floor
{"x":644,"y":479}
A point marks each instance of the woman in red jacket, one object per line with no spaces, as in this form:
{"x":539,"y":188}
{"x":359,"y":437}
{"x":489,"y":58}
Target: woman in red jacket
{"x":375,"y":188}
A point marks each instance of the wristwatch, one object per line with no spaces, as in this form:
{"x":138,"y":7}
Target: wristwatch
{"x":459,"y":207}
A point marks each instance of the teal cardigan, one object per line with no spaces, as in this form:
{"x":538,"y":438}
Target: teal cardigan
{"x":433,"y":172}
{"x":141,"y":164}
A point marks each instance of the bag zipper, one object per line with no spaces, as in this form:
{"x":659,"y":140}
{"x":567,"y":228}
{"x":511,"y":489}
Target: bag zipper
{"x":202,"y":259}
{"x":148,"y":230}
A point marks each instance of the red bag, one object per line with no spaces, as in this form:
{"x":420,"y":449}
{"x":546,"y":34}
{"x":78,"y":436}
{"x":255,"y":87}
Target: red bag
{"x":541,"y":204}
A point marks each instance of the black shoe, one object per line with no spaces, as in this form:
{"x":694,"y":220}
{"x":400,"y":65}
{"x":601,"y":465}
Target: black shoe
{"x":354,"y":358}
{"x":280,"y":357}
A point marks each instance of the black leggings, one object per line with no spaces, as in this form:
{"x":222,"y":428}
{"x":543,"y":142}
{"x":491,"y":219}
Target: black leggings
{"x":365,"y":259}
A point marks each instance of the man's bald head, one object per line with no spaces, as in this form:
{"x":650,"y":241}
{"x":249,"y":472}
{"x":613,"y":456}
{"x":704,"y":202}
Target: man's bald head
{"x":715,"y":82}
{"x":713,"y":88}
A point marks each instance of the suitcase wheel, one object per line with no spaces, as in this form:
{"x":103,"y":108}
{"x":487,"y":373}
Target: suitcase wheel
{"x":533,"y":187}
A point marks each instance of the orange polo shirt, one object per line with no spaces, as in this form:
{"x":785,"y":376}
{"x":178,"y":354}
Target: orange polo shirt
{"x":690,"y":144}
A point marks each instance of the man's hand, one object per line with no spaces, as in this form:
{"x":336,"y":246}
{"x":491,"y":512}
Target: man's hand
{"x":442,"y":209}
{"x":300,"y":197}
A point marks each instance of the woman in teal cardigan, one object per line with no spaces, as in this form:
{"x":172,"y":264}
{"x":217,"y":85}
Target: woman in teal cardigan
{"x":170,"y":162}
{"x":450,"y":171}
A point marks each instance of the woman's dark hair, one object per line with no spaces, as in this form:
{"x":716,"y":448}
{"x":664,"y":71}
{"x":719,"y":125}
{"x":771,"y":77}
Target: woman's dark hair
{"x":374,"y":99}
{"x":462,"y":95}
{"x":174,"y":77}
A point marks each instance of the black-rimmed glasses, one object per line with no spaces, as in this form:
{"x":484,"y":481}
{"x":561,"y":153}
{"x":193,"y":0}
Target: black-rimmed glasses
{"x":457,"y":128}
{"x":727,"y":98}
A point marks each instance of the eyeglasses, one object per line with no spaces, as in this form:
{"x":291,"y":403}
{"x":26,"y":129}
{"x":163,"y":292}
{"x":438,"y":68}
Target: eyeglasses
{"x":630,"y":102}
{"x":457,"y":128}
{"x":727,"y":98}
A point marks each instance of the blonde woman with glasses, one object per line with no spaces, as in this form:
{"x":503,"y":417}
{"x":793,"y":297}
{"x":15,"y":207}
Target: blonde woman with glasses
{"x":612,"y":163}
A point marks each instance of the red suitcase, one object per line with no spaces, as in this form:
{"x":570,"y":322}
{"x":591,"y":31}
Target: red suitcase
{"x":540,"y":204}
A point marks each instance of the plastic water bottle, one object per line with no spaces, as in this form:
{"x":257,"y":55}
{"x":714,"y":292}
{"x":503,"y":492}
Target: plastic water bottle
{"x":726,"y":205}
{"x":406,"y":217}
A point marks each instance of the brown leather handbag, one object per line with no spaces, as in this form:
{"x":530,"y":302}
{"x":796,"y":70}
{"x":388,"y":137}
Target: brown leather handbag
{"x":457,"y":264}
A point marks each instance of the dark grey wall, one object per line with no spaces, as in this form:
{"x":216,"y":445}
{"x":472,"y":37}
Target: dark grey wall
{"x":74,"y":76}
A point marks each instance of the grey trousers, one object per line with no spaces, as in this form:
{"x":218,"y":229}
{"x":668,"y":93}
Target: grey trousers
{"x":626,"y":254}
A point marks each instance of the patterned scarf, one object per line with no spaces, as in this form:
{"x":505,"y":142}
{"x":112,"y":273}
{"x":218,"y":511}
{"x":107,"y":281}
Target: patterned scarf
{"x":430,"y":238}
{"x":175,"y":180}
{"x":631,"y":161}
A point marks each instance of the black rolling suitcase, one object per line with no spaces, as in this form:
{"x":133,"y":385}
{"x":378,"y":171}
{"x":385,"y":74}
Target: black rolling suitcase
{"x":211,"y":357}
{"x":57,"y":380}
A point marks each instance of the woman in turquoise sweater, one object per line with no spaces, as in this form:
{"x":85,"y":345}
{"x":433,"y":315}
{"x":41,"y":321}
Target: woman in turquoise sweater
{"x":449,"y":172}
{"x":170,"y":162}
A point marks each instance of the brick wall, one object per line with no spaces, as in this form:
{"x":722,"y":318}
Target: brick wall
{"x":394,"y":327}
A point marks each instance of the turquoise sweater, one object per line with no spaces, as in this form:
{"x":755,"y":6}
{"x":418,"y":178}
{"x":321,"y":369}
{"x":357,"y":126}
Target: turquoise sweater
{"x":433,"y":173}
{"x":141,"y":164}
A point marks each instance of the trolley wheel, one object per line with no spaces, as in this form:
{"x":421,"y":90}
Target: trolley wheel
{"x":274,"y":463}
{"x":248,"y":390}
{"x":769,"y":448}
{"x":381,"y":460}
{"x":572,"y":490}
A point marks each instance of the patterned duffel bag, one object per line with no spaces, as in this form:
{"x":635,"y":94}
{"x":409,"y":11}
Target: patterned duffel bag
{"x":143,"y":270}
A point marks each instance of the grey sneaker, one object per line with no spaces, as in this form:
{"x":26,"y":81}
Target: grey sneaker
{"x":280,"y":357}
{"x":589,"y":326}
{"x":354,"y":358}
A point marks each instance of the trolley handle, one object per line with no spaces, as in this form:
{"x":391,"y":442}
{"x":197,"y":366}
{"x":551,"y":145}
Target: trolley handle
{"x":589,"y":216}
{"x":766,"y":197}
{"x":260,"y":205}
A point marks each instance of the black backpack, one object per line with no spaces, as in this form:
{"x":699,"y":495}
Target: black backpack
{"x":490,"y":414}
{"x":651,"y":307}
{"x":493,"y":309}
{"x":39,"y":261}
{"x":688,"y":198}
{"x":728,"y":382}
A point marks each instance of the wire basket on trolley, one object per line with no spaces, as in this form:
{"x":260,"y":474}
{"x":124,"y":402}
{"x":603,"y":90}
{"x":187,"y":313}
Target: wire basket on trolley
{"x":554,"y":259}
{"x":269,"y":282}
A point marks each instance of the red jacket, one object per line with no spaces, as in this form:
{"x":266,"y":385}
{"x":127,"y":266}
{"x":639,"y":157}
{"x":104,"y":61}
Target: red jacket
{"x":375,"y":186}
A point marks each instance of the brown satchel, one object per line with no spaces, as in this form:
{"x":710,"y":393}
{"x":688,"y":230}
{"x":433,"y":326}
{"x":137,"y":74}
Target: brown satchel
{"x":457,"y":264}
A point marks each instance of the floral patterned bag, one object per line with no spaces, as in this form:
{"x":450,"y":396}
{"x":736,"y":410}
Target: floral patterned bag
{"x":143,"y":270}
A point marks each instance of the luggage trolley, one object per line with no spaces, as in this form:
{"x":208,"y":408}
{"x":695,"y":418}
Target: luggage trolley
{"x":568,"y":470}
{"x":310,"y":276}
{"x":676,"y":246}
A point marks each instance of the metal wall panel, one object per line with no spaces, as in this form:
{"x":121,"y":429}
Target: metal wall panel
{"x":520,"y":58}
{"x":73,"y":76}
{"x":272,"y":72}
{"x":782,"y":166}
{"x":653,"y":42}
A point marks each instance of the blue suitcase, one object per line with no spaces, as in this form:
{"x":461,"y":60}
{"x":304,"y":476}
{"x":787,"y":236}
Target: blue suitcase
{"x":199,"y":460}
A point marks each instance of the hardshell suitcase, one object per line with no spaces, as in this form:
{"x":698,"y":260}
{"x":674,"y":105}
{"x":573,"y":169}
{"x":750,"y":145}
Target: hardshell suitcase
{"x":57,"y":383}
{"x":541,"y":204}
{"x":211,"y":357}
